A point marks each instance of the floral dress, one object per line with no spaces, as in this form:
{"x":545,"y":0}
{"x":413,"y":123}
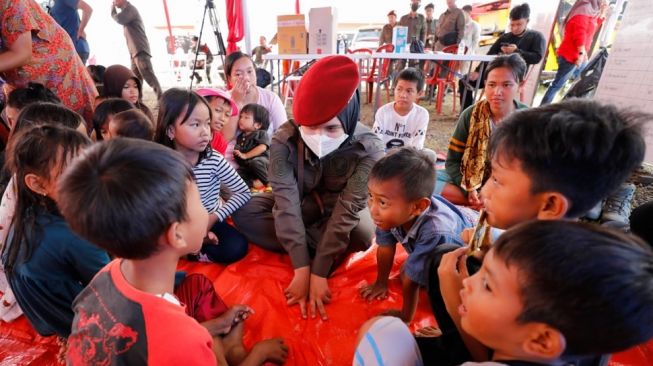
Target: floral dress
{"x":54,"y":61}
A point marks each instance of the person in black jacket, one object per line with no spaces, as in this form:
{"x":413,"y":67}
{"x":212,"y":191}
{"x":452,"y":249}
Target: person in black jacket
{"x":528,"y":43}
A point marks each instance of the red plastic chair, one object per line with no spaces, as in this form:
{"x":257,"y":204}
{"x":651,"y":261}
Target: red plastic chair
{"x":363,"y":64}
{"x":380,"y":76}
{"x":436,"y":80}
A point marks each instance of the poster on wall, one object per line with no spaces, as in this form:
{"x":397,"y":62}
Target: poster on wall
{"x":627,"y":80}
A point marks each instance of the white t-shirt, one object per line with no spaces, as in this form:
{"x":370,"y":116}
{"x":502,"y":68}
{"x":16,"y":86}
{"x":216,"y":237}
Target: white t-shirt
{"x":398,"y":131}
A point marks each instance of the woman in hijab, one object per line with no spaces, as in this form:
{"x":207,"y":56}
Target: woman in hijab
{"x":319,"y":163}
{"x":581,"y":24}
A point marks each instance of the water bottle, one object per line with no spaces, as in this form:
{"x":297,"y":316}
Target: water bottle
{"x":461,"y":47}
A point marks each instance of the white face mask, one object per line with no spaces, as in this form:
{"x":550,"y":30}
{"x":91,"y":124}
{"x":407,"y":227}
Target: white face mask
{"x":321,"y":145}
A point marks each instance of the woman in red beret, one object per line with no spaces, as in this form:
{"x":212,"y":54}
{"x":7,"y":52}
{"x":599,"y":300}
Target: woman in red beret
{"x":319,"y":163}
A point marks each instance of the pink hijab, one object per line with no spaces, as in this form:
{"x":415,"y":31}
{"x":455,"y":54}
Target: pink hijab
{"x":585,"y":7}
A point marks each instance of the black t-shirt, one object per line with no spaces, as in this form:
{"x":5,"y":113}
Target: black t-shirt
{"x":530,"y":45}
{"x":246,"y":142}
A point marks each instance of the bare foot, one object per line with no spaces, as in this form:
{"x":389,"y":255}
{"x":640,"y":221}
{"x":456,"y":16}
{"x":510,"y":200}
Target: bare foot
{"x":234,"y":350}
{"x":269,"y":350}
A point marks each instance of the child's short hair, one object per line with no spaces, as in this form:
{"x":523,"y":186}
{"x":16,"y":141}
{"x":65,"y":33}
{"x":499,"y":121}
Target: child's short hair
{"x":108,"y":107}
{"x":123,"y":194}
{"x":47,"y":114}
{"x":413,"y":168}
{"x":259,"y":113}
{"x":522,"y":11}
{"x":135,"y":124}
{"x":592,"y":284}
{"x":579,"y":148}
{"x":413,"y":75}
{"x":33,"y":93}
{"x":429,"y":6}
{"x":467,"y":8}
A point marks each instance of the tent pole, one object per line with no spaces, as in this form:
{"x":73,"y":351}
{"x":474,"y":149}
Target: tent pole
{"x":248,"y":33}
{"x":171,"y":39}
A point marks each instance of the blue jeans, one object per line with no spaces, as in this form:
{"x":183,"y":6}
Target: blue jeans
{"x":565,"y":70}
{"x":232,"y":245}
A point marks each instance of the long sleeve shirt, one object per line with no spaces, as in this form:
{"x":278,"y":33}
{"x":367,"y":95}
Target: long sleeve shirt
{"x":579,"y":33}
{"x":134,"y":29}
{"x":416,"y":27}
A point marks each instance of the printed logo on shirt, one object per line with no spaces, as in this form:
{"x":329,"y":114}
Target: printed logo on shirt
{"x":394,"y":143}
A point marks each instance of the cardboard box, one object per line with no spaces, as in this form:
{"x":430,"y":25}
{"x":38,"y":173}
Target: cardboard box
{"x":400,"y":39}
{"x":322,"y":25}
{"x":291,"y":34}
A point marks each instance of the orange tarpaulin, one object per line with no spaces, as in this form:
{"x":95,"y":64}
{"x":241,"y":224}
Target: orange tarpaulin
{"x":258,"y":280}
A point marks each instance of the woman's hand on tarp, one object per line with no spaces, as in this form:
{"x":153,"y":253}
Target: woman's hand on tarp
{"x":297,"y":291}
{"x":320,"y":295}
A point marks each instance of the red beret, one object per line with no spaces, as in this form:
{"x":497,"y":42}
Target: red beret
{"x":325,"y":90}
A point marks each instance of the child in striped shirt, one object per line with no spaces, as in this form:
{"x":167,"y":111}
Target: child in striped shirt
{"x":183,"y":124}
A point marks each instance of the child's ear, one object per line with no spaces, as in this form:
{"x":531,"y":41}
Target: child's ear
{"x":544,"y":342}
{"x":554,"y":206}
{"x":36,"y":184}
{"x":171,"y":133}
{"x":257,"y":125}
{"x":174,"y":237}
{"x":421,"y":205}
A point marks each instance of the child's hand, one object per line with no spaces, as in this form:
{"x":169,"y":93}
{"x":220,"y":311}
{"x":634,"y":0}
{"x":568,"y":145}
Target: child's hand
{"x":240,"y":313}
{"x":320,"y":295}
{"x":211,"y":238}
{"x":230,"y":318}
{"x":474,"y":200}
{"x":270,"y":350}
{"x":375,"y":291}
{"x":452,"y":271}
{"x":466,"y":235}
{"x":297,"y":291}
{"x":239,"y":154}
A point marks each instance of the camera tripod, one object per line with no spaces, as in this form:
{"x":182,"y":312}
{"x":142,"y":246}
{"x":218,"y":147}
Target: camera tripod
{"x":209,"y":9}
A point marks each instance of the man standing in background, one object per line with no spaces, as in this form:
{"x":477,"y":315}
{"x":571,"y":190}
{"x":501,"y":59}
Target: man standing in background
{"x":430,"y":26}
{"x":415,"y":23}
{"x":386,"y":32}
{"x":451,"y":26}
{"x":65,"y":13}
{"x":137,"y":43}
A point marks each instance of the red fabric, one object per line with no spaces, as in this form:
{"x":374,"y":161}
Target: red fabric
{"x":579,"y":31}
{"x":235,"y":21}
{"x":115,"y":323}
{"x":258,"y":281}
{"x":219,"y":143}
{"x":202,"y":303}
{"x":325,"y":90}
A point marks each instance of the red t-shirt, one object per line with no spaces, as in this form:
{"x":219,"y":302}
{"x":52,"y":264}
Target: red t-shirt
{"x":119,"y":325}
{"x":219,"y":143}
{"x":579,"y":31}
